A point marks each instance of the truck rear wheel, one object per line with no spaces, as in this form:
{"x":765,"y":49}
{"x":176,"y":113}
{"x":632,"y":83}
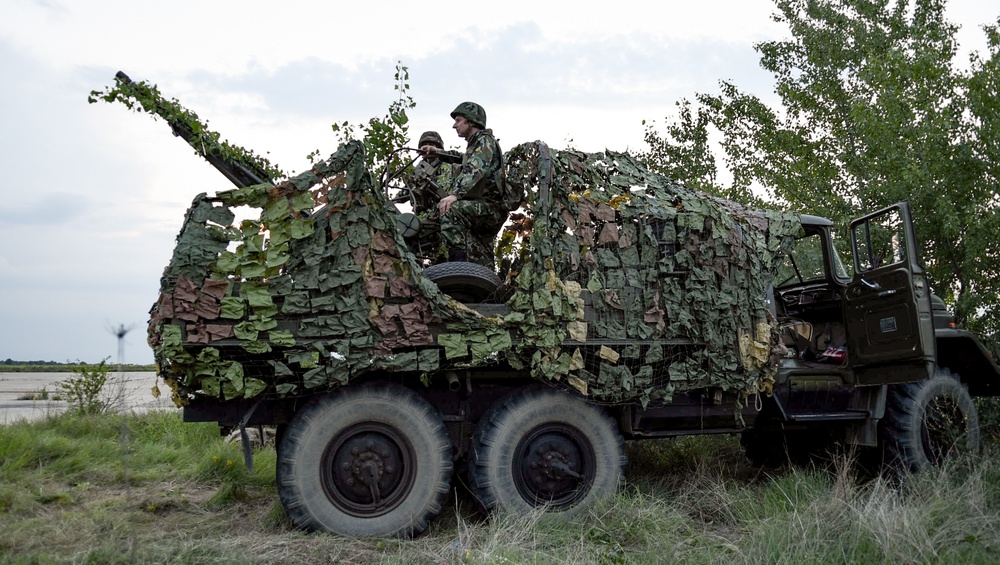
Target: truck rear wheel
{"x":542,"y":447}
{"x":929,"y":421}
{"x":371,"y":461}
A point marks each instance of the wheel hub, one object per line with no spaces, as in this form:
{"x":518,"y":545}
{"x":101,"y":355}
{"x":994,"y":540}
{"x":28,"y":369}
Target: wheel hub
{"x":367,"y":469}
{"x":553,"y":465}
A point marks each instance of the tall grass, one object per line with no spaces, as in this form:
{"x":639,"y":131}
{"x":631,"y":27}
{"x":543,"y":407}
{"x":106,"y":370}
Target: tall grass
{"x":152,"y":489}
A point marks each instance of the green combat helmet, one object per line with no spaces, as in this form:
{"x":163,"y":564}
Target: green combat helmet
{"x":472,"y":112}
{"x":431,"y":138}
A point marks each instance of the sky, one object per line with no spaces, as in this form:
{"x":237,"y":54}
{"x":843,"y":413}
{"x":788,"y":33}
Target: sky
{"x":95,"y":194}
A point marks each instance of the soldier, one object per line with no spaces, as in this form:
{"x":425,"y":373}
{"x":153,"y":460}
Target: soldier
{"x":473,"y":211}
{"x":431,"y":177}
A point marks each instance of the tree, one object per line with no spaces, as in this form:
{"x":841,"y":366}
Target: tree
{"x":874,"y":110}
{"x":384,"y":137}
{"x":683,"y":152}
{"x":984,"y":111}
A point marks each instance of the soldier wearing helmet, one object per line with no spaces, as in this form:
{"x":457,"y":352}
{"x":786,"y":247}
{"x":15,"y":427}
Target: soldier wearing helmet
{"x":431,"y":177}
{"x":473,"y":211}
{"x":431,"y":138}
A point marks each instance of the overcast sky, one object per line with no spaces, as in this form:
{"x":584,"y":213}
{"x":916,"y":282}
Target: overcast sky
{"x":94,"y":195}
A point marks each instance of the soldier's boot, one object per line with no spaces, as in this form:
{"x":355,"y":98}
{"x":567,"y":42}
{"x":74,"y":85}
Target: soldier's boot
{"x":458,"y":255}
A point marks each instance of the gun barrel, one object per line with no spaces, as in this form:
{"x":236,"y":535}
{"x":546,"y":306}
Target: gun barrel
{"x":237,"y":173}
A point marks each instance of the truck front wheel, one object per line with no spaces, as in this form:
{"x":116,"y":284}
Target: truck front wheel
{"x":542,"y":447}
{"x":371,"y":461}
{"x":928,"y":421}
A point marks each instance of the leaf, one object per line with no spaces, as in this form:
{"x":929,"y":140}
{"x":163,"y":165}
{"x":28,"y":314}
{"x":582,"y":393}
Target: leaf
{"x":253,"y":387}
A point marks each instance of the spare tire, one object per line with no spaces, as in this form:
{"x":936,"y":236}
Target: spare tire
{"x":466,"y":282}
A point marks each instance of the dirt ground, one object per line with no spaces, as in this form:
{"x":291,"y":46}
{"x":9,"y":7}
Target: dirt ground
{"x":29,"y":396}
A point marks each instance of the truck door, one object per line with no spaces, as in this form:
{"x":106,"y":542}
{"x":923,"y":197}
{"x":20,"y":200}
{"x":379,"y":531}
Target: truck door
{"x":887,"y":305}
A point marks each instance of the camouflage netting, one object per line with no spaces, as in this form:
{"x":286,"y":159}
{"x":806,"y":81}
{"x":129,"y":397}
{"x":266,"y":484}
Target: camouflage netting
{"x":633,"y":287}
{"x":638,"y":287}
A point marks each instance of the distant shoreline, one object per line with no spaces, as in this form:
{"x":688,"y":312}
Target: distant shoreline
{"x":18,"y":367}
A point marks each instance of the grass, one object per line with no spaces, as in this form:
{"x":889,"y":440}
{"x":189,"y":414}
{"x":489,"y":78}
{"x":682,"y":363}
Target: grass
{"x":40,"y":395}
{"x":152,"y":489}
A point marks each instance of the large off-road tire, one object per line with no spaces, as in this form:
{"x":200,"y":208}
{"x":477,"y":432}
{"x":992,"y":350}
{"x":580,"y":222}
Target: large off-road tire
{"x":370,"y":461}
{"x":543,"y":447}
{"x":466,"y":282}
{"x":929,"y":421}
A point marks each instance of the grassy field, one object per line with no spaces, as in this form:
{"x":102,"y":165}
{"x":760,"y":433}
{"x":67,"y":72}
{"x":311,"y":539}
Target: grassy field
{"x":152,"y":489}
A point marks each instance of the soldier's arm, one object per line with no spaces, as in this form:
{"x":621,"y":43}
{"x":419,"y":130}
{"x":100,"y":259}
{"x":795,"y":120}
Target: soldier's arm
{"x":475,"y":168}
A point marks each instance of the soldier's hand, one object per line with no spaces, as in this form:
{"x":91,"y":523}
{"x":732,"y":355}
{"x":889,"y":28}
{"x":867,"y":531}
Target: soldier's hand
{"x":428,"y":150}
{"x":445,"y":204}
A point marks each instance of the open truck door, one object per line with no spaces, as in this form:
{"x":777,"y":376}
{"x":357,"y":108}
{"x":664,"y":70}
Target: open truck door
{"x":887,"y":306}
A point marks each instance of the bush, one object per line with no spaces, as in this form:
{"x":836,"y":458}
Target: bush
{"x":84,"y":391}
{"x":989,"y":418}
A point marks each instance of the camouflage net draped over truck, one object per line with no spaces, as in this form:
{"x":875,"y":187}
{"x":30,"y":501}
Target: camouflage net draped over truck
{"x":632,"y":287}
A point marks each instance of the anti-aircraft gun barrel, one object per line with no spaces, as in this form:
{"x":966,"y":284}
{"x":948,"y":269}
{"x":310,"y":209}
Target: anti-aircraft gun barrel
{"x":237,"y":173}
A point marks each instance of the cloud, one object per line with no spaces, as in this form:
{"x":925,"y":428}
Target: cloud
{"x":223,"y":38}
{"x":53,"y":208}
{"x":509,"y":65}
{"x":637,"y":76}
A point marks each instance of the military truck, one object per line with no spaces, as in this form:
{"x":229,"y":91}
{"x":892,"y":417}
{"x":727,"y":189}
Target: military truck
{"x":633,"y":307}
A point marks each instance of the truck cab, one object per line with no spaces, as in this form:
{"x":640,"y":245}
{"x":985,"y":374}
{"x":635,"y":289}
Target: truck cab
{"x":874,"y":319}
{"x":863,"y":338}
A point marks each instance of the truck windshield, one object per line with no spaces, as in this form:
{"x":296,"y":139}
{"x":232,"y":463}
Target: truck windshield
{"x":805,"y":263}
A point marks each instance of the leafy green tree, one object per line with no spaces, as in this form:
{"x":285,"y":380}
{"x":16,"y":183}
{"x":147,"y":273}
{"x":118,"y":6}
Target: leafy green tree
{"x":384,"y":137}
{"x":683,"y":152}
{"x":874,"y":109}
{"x":984,"y":112}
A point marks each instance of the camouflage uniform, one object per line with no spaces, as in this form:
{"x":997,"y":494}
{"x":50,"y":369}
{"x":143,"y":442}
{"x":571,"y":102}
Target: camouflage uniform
{"x":430,"y":182}
{"x":472,"y":223}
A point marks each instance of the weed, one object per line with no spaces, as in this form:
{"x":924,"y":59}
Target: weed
{"x":83,"y":392}
{"x":41,"y":395}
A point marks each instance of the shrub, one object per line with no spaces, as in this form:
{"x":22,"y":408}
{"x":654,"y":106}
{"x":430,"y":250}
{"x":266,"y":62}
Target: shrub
{"x":989,"y":418}
{"x":83,"y":392}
